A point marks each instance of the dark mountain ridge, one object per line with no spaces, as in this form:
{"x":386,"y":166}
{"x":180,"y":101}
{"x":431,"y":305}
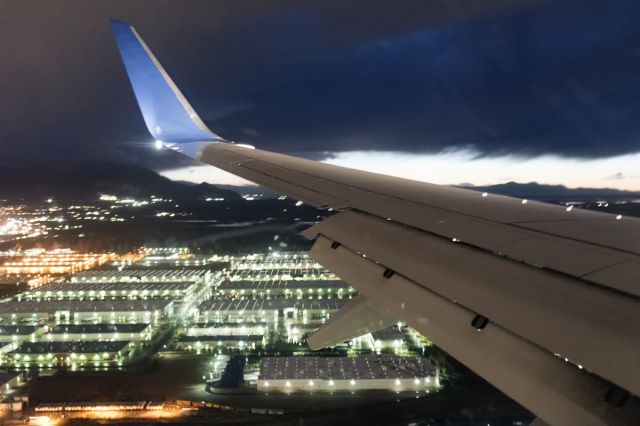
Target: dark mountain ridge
{"x":537,"y":191}
{"x":87,"y":181}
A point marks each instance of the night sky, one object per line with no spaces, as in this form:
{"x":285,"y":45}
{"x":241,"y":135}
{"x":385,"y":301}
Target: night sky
{"x":467,"y":81}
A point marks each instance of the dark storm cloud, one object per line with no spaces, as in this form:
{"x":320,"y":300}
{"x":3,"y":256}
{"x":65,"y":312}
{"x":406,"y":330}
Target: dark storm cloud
{"x":547,"y":80}
{"x":419,"y":76}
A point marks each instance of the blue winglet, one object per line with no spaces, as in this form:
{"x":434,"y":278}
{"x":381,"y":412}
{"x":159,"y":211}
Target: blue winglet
{"x":168,"y":115}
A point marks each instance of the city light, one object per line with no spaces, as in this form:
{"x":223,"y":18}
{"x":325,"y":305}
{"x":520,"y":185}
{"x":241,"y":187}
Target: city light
{"x":53,"y":262}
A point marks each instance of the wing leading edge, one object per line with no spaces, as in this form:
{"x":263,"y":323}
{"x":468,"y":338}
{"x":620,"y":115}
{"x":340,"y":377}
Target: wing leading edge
{"x":557,"y":287}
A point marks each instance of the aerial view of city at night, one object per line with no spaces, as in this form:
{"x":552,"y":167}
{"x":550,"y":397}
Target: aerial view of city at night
{"x":319,"y":213}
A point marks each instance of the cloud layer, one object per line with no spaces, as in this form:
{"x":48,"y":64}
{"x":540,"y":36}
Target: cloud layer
{"x":539,"y":78}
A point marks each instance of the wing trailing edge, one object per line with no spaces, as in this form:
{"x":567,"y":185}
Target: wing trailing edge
{"x":557,"y":391}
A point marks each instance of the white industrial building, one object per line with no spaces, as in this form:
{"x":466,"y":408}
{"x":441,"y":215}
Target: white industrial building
{"x":210,"y":343}
{"x":97,"y":311}
{"x":268,"y":310}
{"x":299,"y":289}
{"x":54,"y":354}
{"x":103,"y":290}
{"x":142,"y":275}
{"x":228,"y":329}
{"x":99,"y":332}
{"x":340,"y":374}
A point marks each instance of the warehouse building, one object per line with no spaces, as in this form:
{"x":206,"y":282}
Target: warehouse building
{"x":289,"y":266}
{"x":100,"y":332}
{"x":192,"y":263}
{"x":103,"y":290}
{"x":318,"y":311}
{"x":227,"y":342}
{"x":280,"y":273}
{"x":273,"y":261}
{"x":267,"y":310}
{"x":227,"y":329}
{"x":142,"y":275}
{"x":339,"y":374}
{"x":285,"y":288}
{"x":55,"y":262}
{"x":97,"y":311}
{"x":55,"y":354}
{"x":230,"y":310}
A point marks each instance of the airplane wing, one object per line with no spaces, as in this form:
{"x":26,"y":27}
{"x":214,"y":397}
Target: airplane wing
{"x":540,"y":300}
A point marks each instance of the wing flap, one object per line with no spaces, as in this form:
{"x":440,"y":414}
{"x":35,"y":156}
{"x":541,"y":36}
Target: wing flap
{"x":555,"y":390}
{"x":358,"y":317}
{"x":623,"y":276}
{"x":555,"y":312}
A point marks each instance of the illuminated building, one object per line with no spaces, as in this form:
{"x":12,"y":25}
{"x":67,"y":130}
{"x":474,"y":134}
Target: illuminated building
{"x":97,"y":311}
{"x":54,"y":354}
{"x":209,"y":343}
{"x":287,"y":288}
{"x":227,"y":329}
{"x":265,"y":310}
{"x":289,"y":266}
{"x":340,"y":374}
{"x":110,"y":290}
{"x":56,"y":263}
{"x":99,"y":332}
{"x":14,"y":228}
{"x":109,"y":407}
{"x":291,"y":261}
{"x":150,"y":275}
{"x":227,"y":335}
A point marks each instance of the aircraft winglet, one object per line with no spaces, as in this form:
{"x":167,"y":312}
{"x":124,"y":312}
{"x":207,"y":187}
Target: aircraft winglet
{"x":167,"y":114}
